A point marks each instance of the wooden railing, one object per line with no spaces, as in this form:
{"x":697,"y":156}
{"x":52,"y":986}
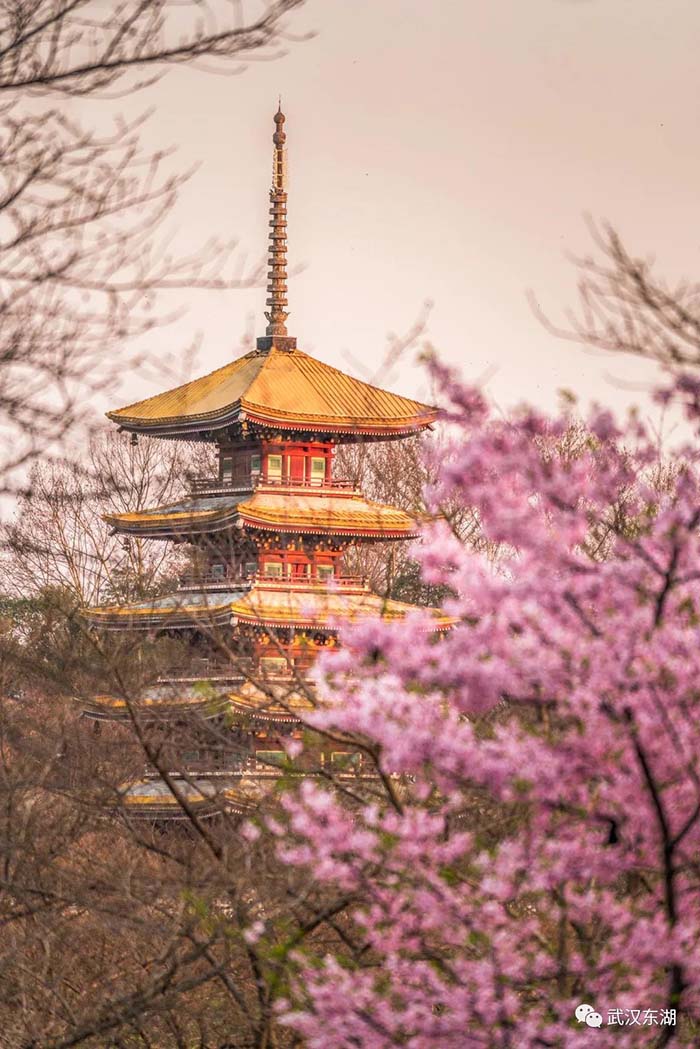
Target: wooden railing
{"x":283,"y":582}
{"x":242,"y":668}
{"x":334,"y":482}
{"x":199,"y":485}
{"x":206,"y":580}
{"x":203,"y":668}
{"x":214,"y":485}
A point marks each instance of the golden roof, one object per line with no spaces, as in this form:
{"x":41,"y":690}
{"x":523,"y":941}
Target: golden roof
{"x":280,"y":698}
{"x":162,"y":699}
{"x":321,"y":607}
{"x":317,"y":513}
{"x":348,"y":514}
{"x":285,"y":389}
{"x":267,"y":604}
{"x":153,"y":799}
{"x":269,"y":700}
{"x":181,"y":609}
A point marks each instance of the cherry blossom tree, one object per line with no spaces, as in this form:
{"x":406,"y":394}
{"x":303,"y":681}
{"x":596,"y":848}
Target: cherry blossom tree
{"x":533,"y":848}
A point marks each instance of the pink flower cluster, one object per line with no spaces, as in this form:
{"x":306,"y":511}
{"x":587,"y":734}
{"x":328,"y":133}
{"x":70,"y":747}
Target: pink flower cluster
{"x":565,"y":702}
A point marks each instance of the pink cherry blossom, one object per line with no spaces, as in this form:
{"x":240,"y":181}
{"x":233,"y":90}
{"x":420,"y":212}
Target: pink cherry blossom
{"x":537,"y":845}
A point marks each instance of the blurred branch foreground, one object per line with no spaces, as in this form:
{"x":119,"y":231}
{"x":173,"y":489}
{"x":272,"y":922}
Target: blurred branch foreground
{"x":80,"y":211}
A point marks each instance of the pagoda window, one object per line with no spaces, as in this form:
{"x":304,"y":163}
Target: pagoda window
{"x":226,"y":469}
{"x":274,"y":467}
{"x":272,"y":570}
{"x":324,"y":571}
{"x":344,"y":760}
{"x":318,"y":469}
{"x":273,"y":664}
{"x":271,"y":757}
{"x":218,"y":571}
{"x":250,"y":567}
{"x":255,"y":463}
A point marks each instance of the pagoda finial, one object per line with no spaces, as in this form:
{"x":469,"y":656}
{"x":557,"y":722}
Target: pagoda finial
{"x":276,"y":331}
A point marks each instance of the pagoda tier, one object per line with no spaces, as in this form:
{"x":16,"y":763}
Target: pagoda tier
{"x":153,"y":800}
{"x":275,"y":390}
{"x":267,"y":603}
{"x":278,"y":699}
{"x":261,"y":717}
{"x":184,"y":609}
{"x":294,"y":511}
{"x":235,"y":795}
{"x":165,"y":699}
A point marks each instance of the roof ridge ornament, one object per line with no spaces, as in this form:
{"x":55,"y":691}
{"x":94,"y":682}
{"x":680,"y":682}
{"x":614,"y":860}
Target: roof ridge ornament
{"x":276,"y":330}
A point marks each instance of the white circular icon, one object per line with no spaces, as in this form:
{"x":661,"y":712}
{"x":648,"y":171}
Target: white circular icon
{"x":582,"y":1011}
{"x":594,"y":1019}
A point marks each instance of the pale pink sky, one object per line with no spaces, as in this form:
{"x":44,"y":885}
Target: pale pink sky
{"x":444,"y":151}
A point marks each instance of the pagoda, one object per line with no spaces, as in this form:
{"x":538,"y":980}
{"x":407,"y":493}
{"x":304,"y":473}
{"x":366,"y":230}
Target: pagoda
{"x":266,"y":537}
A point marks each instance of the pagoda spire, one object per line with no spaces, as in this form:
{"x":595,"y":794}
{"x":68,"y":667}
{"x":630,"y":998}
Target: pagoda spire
{"x":276,"y":330}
